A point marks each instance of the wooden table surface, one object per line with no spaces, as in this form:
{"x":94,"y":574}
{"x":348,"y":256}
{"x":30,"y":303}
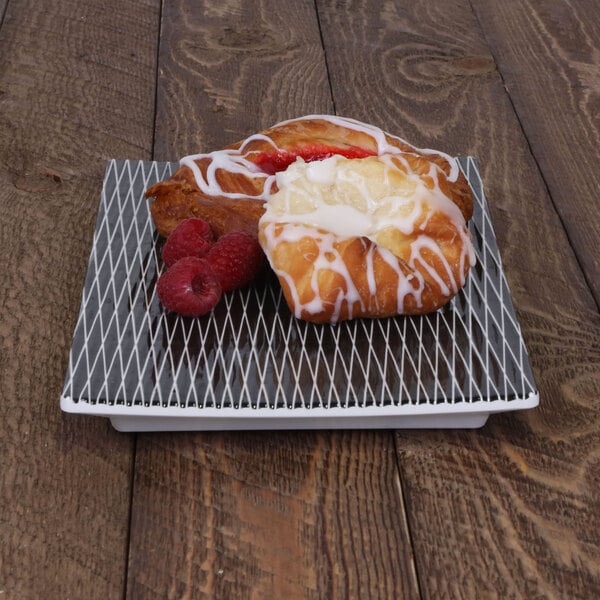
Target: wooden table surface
{"x":510,"y":510}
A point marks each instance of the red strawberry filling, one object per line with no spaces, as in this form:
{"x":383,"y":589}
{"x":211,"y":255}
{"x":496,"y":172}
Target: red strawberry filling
{"x":279,"y":160}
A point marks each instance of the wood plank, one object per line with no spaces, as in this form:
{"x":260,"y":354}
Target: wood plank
{"x":547,"y":53}
{"x":231,"y":70}
{"x":510,"y":510}
{"x":76,"y":87}
{"x":269,"y":515}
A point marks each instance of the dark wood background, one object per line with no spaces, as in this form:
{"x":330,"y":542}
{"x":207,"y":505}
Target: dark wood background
{"x":508,"y":511}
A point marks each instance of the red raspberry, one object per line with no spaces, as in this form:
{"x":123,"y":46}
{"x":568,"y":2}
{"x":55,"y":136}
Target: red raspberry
{"x":192,"y":237}
{"x":189,"y":288}
{"x":236,"y":258}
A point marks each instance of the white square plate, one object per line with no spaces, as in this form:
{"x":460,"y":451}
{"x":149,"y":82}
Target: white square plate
{"x":251,"y":365}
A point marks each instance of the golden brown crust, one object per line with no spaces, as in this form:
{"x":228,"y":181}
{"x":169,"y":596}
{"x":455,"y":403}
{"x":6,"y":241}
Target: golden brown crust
{"x":356,"y":253}
{"x":424,"y":285}
{"x":179,"y":198}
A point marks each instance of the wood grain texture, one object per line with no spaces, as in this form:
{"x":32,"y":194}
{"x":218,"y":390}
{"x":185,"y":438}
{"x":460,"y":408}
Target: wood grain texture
{"x":269,"y":515}
{"x":76,"y":87}
{"x":232,"y":68}
{"x":258,"y":515}
{"x":549,"y":56}
{"x":510,"y":511}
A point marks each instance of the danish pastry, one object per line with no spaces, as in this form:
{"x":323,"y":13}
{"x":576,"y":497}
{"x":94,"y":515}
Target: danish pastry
{"x":355,"y":222}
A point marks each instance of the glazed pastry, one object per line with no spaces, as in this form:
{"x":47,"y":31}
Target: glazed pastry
{"x":368,"y":237}
{"x":354,"y":222}
{"x":229,"y":187}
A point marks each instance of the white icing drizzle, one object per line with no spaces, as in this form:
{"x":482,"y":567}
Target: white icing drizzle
{"x":234,"y":160}
{"x":405,"y":287}
{"x":328,"y":258}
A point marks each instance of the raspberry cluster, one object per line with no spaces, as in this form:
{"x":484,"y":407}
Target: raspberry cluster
{"x":200,"y":269}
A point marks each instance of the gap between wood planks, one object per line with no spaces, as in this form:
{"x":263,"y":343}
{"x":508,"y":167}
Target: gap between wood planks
{"x":533,"y":153}
{"x":318,"y":17}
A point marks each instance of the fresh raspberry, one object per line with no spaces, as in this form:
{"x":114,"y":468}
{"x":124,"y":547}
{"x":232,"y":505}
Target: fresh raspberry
{"x":189,"y":288}
{"x":192,"y":237}
{"x":235,"y":258}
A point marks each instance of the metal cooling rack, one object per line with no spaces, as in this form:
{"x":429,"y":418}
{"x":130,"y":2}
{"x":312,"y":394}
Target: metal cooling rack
{"x":251,"y":365}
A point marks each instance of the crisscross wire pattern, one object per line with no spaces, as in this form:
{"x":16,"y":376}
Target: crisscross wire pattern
{"x":250,"y":352}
